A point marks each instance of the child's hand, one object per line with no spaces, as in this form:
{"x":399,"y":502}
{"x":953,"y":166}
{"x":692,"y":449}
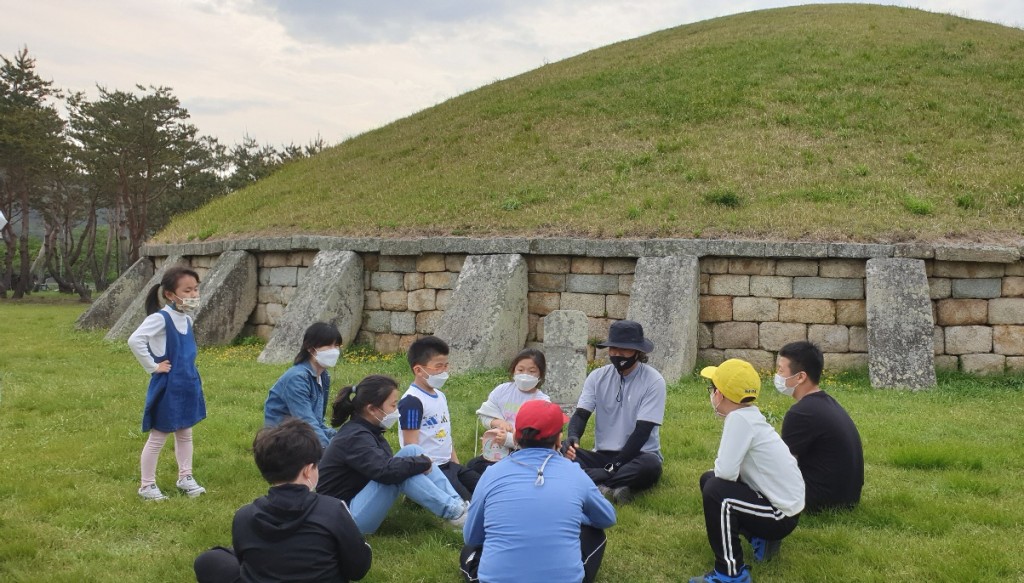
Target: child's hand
{"x":500,"y":435}
{"x":164,"y":367}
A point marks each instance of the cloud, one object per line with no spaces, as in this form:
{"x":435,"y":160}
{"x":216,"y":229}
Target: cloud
{"x":284,"y":71}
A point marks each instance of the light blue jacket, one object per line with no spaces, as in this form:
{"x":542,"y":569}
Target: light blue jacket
{"x":531,"y":532}
{"x":298,"y":394}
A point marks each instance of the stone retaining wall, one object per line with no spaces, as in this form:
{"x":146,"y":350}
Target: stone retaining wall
{"x":755,"y":296}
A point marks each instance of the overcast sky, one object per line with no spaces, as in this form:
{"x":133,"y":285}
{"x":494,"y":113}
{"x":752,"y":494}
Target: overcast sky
{"x":284,"y":71}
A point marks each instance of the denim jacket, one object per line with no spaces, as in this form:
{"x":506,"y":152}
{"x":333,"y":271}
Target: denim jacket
{"x":297,"y":394}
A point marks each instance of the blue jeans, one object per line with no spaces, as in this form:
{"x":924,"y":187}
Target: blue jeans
{"x":431,"y":491}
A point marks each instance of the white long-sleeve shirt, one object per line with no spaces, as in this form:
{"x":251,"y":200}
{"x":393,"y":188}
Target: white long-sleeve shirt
{"x":753,"y":453}
{"x":151,"y":335}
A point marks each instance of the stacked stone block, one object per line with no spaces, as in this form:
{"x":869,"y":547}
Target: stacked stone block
{"x":979,"y":316}
{"x":749,"y":306}
{"x":752,"y":307}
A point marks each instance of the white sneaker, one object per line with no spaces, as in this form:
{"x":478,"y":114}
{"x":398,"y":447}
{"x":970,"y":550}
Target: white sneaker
{"x":190,"y":487}
{"x":151,"y":493}
{"x":459,"y":521}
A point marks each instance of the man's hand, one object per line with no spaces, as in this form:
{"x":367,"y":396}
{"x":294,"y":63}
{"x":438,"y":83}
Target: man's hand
{"x":569,"y":448}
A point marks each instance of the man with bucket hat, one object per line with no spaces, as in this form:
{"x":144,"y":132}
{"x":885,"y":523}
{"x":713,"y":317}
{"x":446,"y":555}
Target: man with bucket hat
{"x":535,"y":516}
{"x":628,"y":397}
{"x":756,"y":488}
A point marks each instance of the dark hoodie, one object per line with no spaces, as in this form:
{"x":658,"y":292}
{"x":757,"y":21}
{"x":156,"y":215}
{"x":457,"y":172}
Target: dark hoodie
{"x":294,"y":535}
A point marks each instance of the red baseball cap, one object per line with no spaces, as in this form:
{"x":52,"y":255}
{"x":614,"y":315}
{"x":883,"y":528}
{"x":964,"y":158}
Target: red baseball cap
{"x":544,"y":416}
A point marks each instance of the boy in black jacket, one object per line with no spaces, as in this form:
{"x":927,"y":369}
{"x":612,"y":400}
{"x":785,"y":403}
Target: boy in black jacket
{"x":291,"y":534}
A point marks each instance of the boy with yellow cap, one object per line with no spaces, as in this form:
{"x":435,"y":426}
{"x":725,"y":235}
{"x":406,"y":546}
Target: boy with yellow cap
{"x":756,"y":487}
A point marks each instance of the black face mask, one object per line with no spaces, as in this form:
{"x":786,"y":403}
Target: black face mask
{"x":622,"y":363}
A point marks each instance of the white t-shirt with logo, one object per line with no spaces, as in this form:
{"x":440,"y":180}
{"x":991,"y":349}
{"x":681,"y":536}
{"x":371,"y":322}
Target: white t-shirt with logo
{"x":509,"y":399}
{"x":428,"y":413}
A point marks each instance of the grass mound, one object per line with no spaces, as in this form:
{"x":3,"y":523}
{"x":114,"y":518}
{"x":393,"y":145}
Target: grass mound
{"x":838,"y":122}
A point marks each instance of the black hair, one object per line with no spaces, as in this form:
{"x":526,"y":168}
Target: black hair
{"x":421,"y":351}
{"x":317,"y":335}
{"x":804,"y":357}
{"x":372,"y":390}
{"x":169,"y":283}
{"x":283,"y":450}
{"x":538,"y":359}
{"x":528,"y":438}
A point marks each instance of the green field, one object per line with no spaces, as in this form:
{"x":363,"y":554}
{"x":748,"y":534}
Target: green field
{"x":942,"y":500}
{"x":827,"y":122}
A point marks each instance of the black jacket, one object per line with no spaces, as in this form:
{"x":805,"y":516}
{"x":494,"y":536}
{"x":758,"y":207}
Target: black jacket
{"x":359,"y":453}
{"x":292,"y":534}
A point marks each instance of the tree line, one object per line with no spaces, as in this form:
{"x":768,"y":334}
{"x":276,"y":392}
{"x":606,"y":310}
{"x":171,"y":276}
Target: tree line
{"x":104,"y":177}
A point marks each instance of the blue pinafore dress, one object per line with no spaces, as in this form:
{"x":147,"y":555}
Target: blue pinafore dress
{"x":175,"y":399}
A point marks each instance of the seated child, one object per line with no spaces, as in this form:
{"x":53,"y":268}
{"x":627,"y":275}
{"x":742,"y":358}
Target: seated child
{"x":498,"y":412}
{"x":359,"y":468}
{"x":756,"y":488}
{"x":424,"y":418}
{"x":291,"y":534}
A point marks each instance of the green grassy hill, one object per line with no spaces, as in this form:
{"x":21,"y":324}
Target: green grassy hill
{"x":840,"y":122}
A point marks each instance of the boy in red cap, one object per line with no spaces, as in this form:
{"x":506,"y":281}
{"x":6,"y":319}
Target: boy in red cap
{"x":756,"y":488}
{"x":535,"y":516}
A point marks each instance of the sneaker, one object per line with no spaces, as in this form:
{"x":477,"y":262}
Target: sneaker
{"x":190,"y":487}
{"x":605,"y":491}
{"x":151,"y":492}
{"x":764,"y":549}
{"x":459,"y":521}
{"x":622,"y":495}
{"x":716,"y":577}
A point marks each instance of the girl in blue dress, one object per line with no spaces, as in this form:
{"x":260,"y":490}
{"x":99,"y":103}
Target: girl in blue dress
{"x":166,"y":347}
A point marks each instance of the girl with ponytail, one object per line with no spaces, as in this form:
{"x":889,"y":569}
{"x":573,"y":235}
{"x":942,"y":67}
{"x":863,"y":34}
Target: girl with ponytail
{"x":165,"y":346}
{"x":359,"y":467}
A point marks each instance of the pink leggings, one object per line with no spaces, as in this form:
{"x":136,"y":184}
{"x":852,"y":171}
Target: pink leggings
{"x":151,"y":452}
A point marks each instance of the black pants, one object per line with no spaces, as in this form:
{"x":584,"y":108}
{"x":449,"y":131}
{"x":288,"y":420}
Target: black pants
{"x":462,"y":478}
{"x":640,"y":473}
{"x":479,"y":464}
{"x":217,"y":565}
{"x":592,"y":545}
{"x":734,"y":507}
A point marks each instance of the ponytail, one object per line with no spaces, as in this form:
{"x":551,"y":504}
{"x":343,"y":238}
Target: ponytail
{"x":343,"y":407}
{"x":169,"y":282}
{"x":372,"y":390}
{"x":153,"y":300}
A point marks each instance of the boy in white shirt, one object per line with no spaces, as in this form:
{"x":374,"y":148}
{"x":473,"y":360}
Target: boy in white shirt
{"x":423,"y":413}
{"x":756,"y":487}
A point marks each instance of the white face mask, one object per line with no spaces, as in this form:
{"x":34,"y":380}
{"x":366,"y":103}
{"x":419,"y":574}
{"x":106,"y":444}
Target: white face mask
{"x":780,"y":384}
{"x":715,"y":407}
{"x":436,"y":381}
{"x":389,"y":419}
{"x":328,"y":358}
{"x":525,"y":382}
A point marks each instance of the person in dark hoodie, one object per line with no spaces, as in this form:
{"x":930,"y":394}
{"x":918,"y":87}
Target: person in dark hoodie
{"x":359,"y":468}
{"x":291,"y":534}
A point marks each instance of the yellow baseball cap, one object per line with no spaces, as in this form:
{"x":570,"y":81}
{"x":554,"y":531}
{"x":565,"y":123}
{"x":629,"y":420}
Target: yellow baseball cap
{"x":736,"y":379}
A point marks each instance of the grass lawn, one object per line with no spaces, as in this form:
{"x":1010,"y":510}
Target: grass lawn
{"x":942,"y":501}
{"x":826,"y":122}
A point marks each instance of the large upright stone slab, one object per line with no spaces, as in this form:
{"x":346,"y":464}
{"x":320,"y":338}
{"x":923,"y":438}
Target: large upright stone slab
{"x":106,"y":309}
{"x":565,"y":349}
{"x":331,"y":291}
{"x":665,"y":300}
{"x":486,"y":323}
{"x":229,"y":296}
{"x":135,"y":313}
{"x":901,"y":352}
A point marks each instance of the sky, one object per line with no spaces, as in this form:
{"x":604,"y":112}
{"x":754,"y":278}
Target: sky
{"x":286,"y":71}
